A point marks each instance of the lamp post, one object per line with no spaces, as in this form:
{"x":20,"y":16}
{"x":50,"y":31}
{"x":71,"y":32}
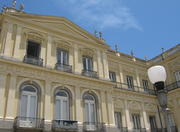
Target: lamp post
{"x":157,"y":76}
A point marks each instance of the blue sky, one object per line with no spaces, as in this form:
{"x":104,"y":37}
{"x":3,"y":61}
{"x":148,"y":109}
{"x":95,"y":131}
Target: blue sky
{"x":143,"y":26}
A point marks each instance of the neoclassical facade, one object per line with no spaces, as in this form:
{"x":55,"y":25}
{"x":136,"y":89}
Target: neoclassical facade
{"x":55,"y":76}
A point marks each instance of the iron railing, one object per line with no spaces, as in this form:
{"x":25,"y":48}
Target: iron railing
{"x":90,"y":73}
{"x":33,"y":60}
{"x":28,"y":122}
{"x":133,"y":88}
{"x":173,"y":86}
{"x":123,"y":129}
{"x":138,"y":130}
{"x":93,"y":127}
{"x":63,"y":67}
{"x":64,"y":125}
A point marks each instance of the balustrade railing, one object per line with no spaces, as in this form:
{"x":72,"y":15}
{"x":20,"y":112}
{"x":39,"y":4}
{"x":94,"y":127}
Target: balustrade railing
{"x":90,"y":73}
{"x":133,"y":88}
{"x":28,"y":122}
{"x":64,"y":125}
{"x":33,"y":60}
{"x":63,"y":67}
{"x":93,"y":127}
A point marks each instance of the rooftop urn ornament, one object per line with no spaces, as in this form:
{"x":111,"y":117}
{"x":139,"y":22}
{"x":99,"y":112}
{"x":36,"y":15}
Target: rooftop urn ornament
{"x":100,"y":35}
{"x":14,"y":4}
{"x":95,"y":33}
{"x":21,"y":7}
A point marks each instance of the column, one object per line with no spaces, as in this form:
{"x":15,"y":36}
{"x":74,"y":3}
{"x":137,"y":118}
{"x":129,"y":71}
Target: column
{"x":110,"y":106}
{"x":138,"y":81}
{"x":11,"y":109}
{"x":100,"y":64}
{"x":78,"y":106}
{"x":7,"y":47}
{"x":104,"y":108}
{"x":127,"y":113}
{"x":48,"y":109}
{"x":50,"y":61}
{"x":77,"y":62}
{"x":17,"y":43}
{"x":43,"y":51}
{"x":105,"y":65}
{"x":3,"y":78}
{"x":145,"y":118}
{"x":121,"y":74}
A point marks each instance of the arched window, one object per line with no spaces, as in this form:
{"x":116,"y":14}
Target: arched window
{"x":28,"y":101}
{"x":62,"y":105}
{"x":89,"y":108}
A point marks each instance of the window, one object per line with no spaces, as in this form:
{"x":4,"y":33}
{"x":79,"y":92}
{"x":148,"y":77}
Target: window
{"x":177,"y":76}
{"x":33,"y":49}
{"x":130,"y":82}
{"x":89,"y":108}
{"x":145,"y":85}
{"x":118,"y":119}
{"x":62,"y":105}
{"x":136,"y":121}
{"x":62,"y":57}
{"x":112,"y":76}
{"x":88,"y":63}
{"x":152,"y":121}
{"x":28,"y":104}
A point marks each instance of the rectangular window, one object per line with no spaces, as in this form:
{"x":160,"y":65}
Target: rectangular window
{"x":130,"y":82}
{"x":177,"y":76}
{"x":88,"y":63}
{"x":112,"y":76}
{"x":62,"y":57}
{"x":33,"y":49}
{"x":145,"y":85}
{"x":136,"y":121}
{"x":152,"y":121}
{"x":118,"y":119}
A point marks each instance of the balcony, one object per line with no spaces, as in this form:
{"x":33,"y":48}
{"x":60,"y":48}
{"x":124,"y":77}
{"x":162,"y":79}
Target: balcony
{"x":63,"y":67}
{"x":173,"y":86}
{"x":123,"y":129}
{"x":33,"y":60}
{"x":64,"y":126}
{"x":139,"y":130}
{"x":90,"y":73}
{"x":29,"y":123}
{"x":93,"y":127}
{"x":138,"y":89}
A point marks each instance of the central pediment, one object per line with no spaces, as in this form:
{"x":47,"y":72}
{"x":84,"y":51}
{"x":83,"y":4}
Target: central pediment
{"x":59,"y":24}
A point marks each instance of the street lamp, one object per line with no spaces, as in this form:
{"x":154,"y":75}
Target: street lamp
{"x":157,"y":76}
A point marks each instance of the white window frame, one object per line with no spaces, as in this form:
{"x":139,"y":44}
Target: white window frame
{"x":61,"y":98}
{"x":29,"y":95}
{"x":88,"y":63}
{"x":130,"y":81}
{"x":136,"y":121}
{"x":118,"y":119}
{"x":112,"y":76}
{"x":64,"y":59}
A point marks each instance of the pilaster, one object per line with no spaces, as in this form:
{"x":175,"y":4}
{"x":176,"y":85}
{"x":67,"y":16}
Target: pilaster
{"x":100,"y":64}
{"x":127,"y":113}
{"x":110,"y":106}
{"x":145,"y":118}
{"x":3,"y":78}
{"x":78,"y":106}
{"x":77,"y":61}
{"x":11,"y":99}
{"x":17,"y":43}
{"x":7,"y":47}
{"x":105,"y":65}
{"x":104,"y":107}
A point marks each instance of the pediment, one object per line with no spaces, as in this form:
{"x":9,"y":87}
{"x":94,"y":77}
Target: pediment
{"x":59,"y":24}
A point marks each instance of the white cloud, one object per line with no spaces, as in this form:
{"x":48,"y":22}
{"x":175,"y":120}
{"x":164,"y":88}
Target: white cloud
{"x":101,"y":13}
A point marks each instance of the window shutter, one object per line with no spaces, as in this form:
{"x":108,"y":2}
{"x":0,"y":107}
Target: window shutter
{"x":33,"y":105}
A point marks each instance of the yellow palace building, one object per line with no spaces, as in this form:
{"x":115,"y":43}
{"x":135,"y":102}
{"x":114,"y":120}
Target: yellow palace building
{"x":56,"y":77}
